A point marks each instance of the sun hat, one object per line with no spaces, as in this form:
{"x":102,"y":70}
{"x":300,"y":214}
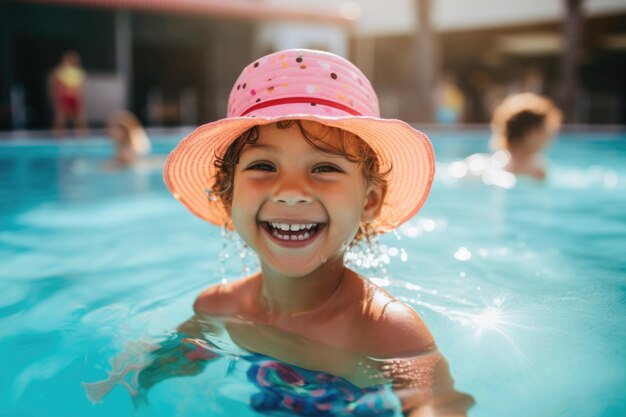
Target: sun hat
{"x":307,"y":85}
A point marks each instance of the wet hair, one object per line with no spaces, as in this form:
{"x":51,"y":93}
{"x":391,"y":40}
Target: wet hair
{"x":350,"y":146}
{"x":520,"y":114}
{"x":521,"y":124}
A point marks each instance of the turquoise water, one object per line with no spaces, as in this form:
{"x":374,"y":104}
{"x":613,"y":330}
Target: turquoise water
{"x":523,"y":288}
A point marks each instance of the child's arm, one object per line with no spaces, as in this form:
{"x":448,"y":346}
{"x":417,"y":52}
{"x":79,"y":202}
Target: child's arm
{"x":398,"y":332}
{"x":185,"y":354}
{"x":432,"y":393}
{"x":419,"y":373}
{"x":142,"y":364}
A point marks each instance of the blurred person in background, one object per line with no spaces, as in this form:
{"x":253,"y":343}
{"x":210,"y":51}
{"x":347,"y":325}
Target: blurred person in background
{"x":449,"y":101}
{"x":65,"y":85}
{"x":131,"y":141}
{"x":522,"y":126}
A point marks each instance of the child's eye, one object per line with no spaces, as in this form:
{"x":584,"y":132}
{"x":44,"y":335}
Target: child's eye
{"x":260,"y":166}
{"x":324,"y":168}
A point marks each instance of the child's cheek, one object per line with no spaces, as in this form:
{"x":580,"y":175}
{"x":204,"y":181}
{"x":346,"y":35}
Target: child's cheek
{"x":237,"y":219}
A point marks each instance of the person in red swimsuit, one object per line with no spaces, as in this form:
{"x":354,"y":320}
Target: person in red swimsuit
{"x":66,"y":90}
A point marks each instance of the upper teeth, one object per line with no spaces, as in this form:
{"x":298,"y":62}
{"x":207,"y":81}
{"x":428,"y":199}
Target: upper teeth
{"x":293,"y":227}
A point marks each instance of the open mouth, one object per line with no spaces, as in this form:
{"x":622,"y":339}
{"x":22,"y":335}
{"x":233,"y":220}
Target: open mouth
{"x":293,"y":232}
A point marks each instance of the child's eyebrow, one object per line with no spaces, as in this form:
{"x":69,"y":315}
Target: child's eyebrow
{"x":261,"y":146}
{"x":258,"y":146}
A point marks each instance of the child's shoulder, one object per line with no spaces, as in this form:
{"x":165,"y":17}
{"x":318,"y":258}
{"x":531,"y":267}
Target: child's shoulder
{"x":225,"y":299}
{"x":394,"y":328}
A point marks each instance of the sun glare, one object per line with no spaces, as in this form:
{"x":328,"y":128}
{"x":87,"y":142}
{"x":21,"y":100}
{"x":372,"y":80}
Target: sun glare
{"x":490,"y":319}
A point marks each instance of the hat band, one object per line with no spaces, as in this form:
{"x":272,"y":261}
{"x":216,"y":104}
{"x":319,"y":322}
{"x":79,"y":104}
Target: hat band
{"x":299,"y":100}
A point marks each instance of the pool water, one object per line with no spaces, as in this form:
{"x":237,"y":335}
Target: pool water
{"x":524,"y":288}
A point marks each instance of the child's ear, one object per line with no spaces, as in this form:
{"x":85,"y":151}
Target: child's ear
{"x":373,"y":205}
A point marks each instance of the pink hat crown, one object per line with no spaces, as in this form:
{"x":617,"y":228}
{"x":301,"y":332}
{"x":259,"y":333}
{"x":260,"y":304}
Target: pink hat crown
{"x":302,"y":82}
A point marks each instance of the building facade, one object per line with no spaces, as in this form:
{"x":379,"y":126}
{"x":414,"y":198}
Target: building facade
{"x":172,"y":63}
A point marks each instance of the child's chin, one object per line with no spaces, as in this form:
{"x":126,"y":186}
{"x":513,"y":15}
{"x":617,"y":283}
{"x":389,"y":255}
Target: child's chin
{"x":296,"y":267}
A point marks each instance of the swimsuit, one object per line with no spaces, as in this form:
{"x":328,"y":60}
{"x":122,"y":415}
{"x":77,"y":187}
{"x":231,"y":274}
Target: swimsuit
{"x":287,"y":388}
{"x":68,"y":83}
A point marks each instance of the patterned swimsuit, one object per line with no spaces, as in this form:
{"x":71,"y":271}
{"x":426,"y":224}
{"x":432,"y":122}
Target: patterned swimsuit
{"x":287,"y":389}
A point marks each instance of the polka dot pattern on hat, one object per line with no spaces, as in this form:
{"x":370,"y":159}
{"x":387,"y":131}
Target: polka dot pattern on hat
{"x":304,"y":75}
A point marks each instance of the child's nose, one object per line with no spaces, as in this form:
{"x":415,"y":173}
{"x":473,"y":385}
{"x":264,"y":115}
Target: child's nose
{"x":291,"y":192}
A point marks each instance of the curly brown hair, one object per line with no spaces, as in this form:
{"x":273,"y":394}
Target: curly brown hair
{"x":350,"y":146}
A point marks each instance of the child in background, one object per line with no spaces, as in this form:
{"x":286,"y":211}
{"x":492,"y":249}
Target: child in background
{"x":66,"y":92}
{"x":130,"y":138}
{"x":302,"y":168}
{"x":449,"y":101}
{"x":523,"y":125}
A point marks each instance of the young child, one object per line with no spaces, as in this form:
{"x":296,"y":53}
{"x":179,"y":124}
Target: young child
{"x":66,"y":84}
{"x":302,"y":168}
{"x":522,"y":126}
{"x":132,"y":144}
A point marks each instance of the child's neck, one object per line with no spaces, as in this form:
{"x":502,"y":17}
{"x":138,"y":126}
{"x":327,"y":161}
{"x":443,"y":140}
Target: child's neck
{"x":520,"y":157}
{"x":284,"y":297}
{"x":521,"y":153}
{"x":526,"y":163}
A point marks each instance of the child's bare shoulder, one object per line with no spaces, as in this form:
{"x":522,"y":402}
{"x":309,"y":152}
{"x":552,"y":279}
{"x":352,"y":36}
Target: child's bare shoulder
{"x":395,"y":329}
{"x":225,"y":299}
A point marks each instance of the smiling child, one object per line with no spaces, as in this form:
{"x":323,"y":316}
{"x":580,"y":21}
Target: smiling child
{"x":301,"y":168}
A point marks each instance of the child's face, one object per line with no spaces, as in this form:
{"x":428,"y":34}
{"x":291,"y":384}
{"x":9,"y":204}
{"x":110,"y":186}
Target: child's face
{"x":282,"y":182}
